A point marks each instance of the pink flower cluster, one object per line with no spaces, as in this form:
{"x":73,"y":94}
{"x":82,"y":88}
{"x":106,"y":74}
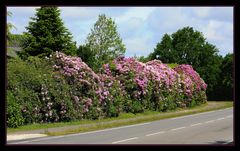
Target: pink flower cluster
{"x":75,"y":67}
{"x":144,"y":72}
{"x":130,"y":78}
{"x":163,"y":73}
{"x":79,"y":72}
{"x":191,"y":78}
{"x":182,"y":79}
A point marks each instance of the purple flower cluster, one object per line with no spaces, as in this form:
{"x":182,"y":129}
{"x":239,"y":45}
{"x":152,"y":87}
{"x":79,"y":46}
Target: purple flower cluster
{"x":191,"y":78}
{"x":88,"y":84}
{"x":127,"y":78}
{"x":163,"y":73}
{"x":181,"y":80}
{"x":75,"y":67}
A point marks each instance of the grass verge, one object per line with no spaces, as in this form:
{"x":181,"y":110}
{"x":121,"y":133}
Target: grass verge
{"x":64,"y":128}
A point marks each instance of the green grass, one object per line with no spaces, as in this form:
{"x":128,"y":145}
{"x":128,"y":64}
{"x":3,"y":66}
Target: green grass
{"x":123,"y":119}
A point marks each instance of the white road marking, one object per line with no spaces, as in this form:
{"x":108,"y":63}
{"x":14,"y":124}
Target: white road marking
{"x":178,"y":128}
{"x":229,"y":116}
{"x":221,"y":118}
{"x":124,"y":140}
{"x":210,"y":121}
{"x":104,"y":130}
{"x":196,"y":124}
{"x":156,"y":133}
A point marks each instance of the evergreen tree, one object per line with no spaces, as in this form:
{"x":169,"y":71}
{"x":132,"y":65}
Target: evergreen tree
{"x":47,"y":34}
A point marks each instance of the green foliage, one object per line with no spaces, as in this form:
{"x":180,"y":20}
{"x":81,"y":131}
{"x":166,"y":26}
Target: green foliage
{"x":87,"y":55}
{"x":115,"y":107}
{"x":143,"y":59}
{"x":104,"y":41}
{"x":14,"y":44}
{"x":224,"y":90}
{"x":188,"y":46}
{"x":172,"y":65}
{"x":164,"y":50}
{"x":47,"y":34}
{"x":14,"y":114}
{"x":42,"y":95}
{"x":11,"y":52}
{"x":10,"y":26}
{"x":16,"y":40}
{"x":227,"y":71}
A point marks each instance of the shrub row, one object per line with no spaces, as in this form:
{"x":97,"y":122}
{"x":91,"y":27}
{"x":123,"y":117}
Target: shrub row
{"x":64,"y":88}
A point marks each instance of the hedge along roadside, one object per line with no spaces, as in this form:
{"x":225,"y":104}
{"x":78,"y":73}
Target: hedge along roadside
{"x":64,"y":88}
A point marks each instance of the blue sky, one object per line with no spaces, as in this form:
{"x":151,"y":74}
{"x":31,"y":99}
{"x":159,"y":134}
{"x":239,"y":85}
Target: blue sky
{"x":141,"y":28}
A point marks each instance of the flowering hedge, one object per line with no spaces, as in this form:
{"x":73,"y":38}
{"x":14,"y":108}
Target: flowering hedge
{"x":193,"y":86}
{"x":64,"y":88}
{"x":154,"y":85}
{"x":94,"y":95}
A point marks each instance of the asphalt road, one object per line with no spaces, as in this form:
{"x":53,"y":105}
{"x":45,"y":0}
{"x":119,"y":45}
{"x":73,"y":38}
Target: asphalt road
{"x":214,"y":127}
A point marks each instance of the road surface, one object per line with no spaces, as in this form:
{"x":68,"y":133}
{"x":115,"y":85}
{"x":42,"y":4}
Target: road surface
{"x":214,"y":127}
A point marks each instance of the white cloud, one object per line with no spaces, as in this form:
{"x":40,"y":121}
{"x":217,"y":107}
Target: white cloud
{"x":167,"y":19}
{"x":135,"y":12}
{"x":142,"y":27}
{"x":214,"y":13}
{"x":202,"y":11}
{"x":220,"y":34}
{"x":138,"y":45}
{"x":216,"y":26}
{"x":79,"y":13}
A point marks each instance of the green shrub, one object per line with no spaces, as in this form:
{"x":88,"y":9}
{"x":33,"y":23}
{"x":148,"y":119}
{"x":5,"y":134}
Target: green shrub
{"x":14,"y":114}
{"x":171,"y":102}
{"x":43,"y":95}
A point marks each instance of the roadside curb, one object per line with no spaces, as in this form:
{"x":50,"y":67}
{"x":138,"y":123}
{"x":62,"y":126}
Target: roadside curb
{"x":23,"y":136}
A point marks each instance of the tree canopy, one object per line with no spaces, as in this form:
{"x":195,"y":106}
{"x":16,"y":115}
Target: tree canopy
{"x":104,"y":40}
{"x":46,"y":34}
{"x":188,"y":46}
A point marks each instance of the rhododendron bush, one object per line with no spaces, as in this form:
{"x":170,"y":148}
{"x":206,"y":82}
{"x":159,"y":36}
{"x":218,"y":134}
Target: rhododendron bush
{"x":94,"y":95}
{"x":70,"y":90}
{"x":155,"y":86}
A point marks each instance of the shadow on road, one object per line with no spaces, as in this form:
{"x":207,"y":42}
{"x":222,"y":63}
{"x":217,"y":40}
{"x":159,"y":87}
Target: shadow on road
{"x":222,"y":142}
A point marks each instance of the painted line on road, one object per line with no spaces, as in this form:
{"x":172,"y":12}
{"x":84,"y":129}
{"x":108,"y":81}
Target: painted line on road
{"x":196,"y":124}
{"x":124,"y":140}
{"x":156,"y":133}
{"x":221,"y":118}
{"x":104,"y":130}
{"x":210,"y":121}
{"x":178,"y":128}
{"x":229,"y":116}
